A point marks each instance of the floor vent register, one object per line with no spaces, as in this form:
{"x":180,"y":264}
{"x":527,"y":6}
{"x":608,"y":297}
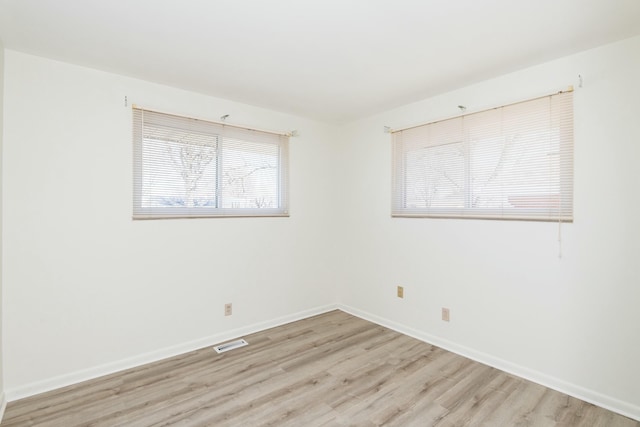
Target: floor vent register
{"x":222,"y":348}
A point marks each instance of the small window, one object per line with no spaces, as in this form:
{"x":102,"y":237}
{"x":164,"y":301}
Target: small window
{"x":512,"y":162}
{"x":186,"y":167}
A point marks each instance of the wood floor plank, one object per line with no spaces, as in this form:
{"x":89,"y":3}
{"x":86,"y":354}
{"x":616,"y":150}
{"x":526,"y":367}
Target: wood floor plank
{"x":328,"y":370}
{"x":476,"y":409}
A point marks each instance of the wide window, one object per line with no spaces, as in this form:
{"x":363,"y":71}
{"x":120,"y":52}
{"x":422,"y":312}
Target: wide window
{"x":186,"y":167}
{"x":512,"y":162}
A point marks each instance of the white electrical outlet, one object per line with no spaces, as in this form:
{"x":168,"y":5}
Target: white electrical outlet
{"x":445,"y":314}
{"x":228,"y":309}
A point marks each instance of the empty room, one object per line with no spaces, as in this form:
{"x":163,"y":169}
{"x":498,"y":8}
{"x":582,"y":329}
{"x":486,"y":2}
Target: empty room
{"x":320,"y":213}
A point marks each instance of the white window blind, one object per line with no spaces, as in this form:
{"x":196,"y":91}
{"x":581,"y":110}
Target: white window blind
{"x":511,"y":162}
{"x":185,"y":167}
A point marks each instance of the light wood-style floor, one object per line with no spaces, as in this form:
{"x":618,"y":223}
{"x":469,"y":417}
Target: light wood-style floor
{"x":329,"y":370}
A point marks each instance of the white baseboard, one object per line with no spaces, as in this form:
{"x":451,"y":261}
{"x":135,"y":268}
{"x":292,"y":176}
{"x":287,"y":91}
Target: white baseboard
{"x":132,"y":362}
{"x":3,"y":405}
{"x":621,"y":407}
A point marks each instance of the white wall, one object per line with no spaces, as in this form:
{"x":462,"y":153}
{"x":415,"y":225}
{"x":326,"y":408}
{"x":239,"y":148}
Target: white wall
{"x":2,"y":396}
{"x":572,"y":322}
{"x":88,"y":290}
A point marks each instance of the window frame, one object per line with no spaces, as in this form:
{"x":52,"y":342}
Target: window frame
{"x":533,"y":207}
{"x":227,"y":138}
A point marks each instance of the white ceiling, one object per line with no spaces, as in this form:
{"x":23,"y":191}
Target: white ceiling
{"x":330,"y":60}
